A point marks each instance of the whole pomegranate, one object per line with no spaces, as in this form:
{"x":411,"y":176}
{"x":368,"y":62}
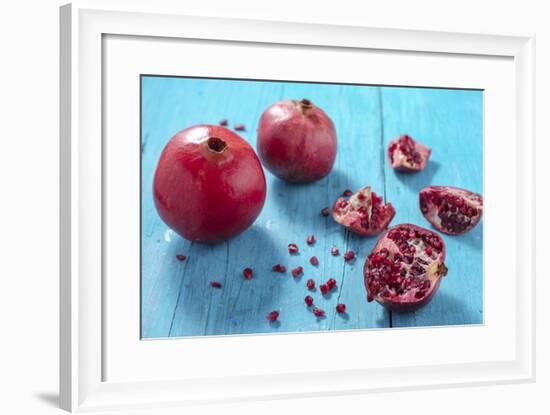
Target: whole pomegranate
{"x":296,"y":141}
{"x":450,"y":209}
{"x":209,"y":184}
{"x":405,"y":267}
{"x":364,"y":213}
{"x":408,"y":155}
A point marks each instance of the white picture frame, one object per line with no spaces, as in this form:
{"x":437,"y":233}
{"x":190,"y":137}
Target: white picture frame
{"x":84,"y":386}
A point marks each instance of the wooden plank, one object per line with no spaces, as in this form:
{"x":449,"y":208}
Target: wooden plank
{"x":451,"y":122}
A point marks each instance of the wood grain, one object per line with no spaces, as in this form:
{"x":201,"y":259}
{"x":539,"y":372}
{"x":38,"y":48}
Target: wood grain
{"x":177,"y":299}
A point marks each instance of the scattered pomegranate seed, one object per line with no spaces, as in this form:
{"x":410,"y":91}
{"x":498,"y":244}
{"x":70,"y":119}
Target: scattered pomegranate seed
{"x":311,"y":239}
{"x":334,"y":251}
{"x":348,"y":256}
{"x":310,"y":284}
{"x":314,"y":261}
{"x":292,"y":248}
{"x":216,"y":284}
{"x":325,"y":212}
{"x":341,"y":308}
{"x":223,"y":122}
{"x":324,"y":288}
{"x":279,"y":268}
{"x":180,"y":257}
{"x":273,"y":316}
{"x":347,"y":193}
{"x":296,"y":272}
{"x":240,"y":127}
{"x":331,"y":283}
{"x":247,"y":273}
{"x":318,"y":312}
{"x":308,"y":300}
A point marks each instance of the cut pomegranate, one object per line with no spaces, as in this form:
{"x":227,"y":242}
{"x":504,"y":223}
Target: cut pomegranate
{"x":310,"y":239}
{"x":349,"y":256}
{"x":247,"y":273}
{"x":341,"y":308}
{"x":310,"y":284}
{"x":314,"y":261}
{"x":296,"y":272}
{"x":450,"y":209}
{"x":240,"y":127}
{"x":273,"y":316}
{"x":399,"y":273}
{"x":331,"y":283}
{"x":318,"y":312}
{"x":292,"y":248}
{"x":334,"y":251}
{"x":308,"y":300}
{"x":216,"y":284}
{"x":364,"y":213}
{"x":407,"y":154}
{"x":325,"y":212}
{"x":324,"y":288}
{"x":279,"y":268}
{"x":180,"y":257}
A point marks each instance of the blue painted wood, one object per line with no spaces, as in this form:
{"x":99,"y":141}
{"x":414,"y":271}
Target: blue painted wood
{"x":176,"y":297}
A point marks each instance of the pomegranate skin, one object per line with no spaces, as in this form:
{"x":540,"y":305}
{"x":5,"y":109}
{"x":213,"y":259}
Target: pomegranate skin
{"x":297,"y":141}
{"x":389,"y":247}
{"x":209,"y":184}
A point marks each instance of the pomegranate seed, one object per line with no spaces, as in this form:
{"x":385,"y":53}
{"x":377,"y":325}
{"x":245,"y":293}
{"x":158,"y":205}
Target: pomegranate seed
{"x":292,"y":248}
{"x":318,"y":312}
{"x":310,"y":239}
{"x":429,"y":251}
{"x":347,"y":193}
{"x":223,"y":122}
{"x":273,"y":316}
{"x":239,"y":127}
{"x":341,"y":308}
{"x":334,"y":251}
{"x":308,"y":300}
{"x":216,"y":284}
{"x":297,"y":271}
{"x":325,"y":212}
{"x":348,"y":256}
{"x":310,"y":284}
{"x":279,"y":268}
{"x":247,"y":273}
{"x":370,"y":299}
{"x":331,"y":283}
{"x":324,"y":288}
{"x":180,"y":257}
{"x":314,"y":261}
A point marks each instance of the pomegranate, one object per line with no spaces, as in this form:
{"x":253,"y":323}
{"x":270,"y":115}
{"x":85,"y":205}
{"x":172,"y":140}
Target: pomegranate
{"x":364,"y":213}
{"x":451,"y":210}
{"x":407,"y":154}
{"x":404,"y":269}
{"x":209,"y":184}
{"x":296,"y":141}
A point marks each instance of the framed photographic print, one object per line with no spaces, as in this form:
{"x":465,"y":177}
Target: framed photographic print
{"x":235,"y":189}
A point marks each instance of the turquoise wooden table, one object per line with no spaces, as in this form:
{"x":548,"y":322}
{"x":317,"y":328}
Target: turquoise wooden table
{"x":177,"y":299}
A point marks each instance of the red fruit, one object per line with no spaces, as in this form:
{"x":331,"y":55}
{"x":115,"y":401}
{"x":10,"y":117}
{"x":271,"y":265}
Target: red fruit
{"x":324,"y":288}
{"x":334,"y":251}
{"x":296,"y":141}
{"x":408,"y":155}
{"x":310,"y":284}
{"x":341,"y":308}
{"x":279,"y":268}
{"x":292,"y":248}
{"x":209,"y":184}
{"x":314,"y":261}
{"x":180,"y":257}
{"x":399,"y":274}
{"x":450,"y":209}
{"x":325,"y":212}
{"x":364,"y":213}
{"x":273,"y":316}
{"x":310,"y":239}
{"x":296,"y":272}
{"x":216,"y":284}
{"x":349,"y":256}
{"x":247,"y":273}
{"x":308,"y":300}
{"x":331,"y":283}
{"x":318,"y":312}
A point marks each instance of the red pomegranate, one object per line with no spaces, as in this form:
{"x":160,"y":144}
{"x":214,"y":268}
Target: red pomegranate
{"x":405,"y":267}
{"x":209,"y":184}
{"x":296,"y":141}
{"x":408,"y":155}
{"x":450,"y":209}
{"x":364,"y":213}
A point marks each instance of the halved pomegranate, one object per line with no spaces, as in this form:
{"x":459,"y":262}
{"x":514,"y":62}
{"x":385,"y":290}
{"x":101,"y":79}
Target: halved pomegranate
{"x":450,"y":209}
{"x":364,"y":213}
{"x":404,"y":269}
{"x":407,"y":154}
